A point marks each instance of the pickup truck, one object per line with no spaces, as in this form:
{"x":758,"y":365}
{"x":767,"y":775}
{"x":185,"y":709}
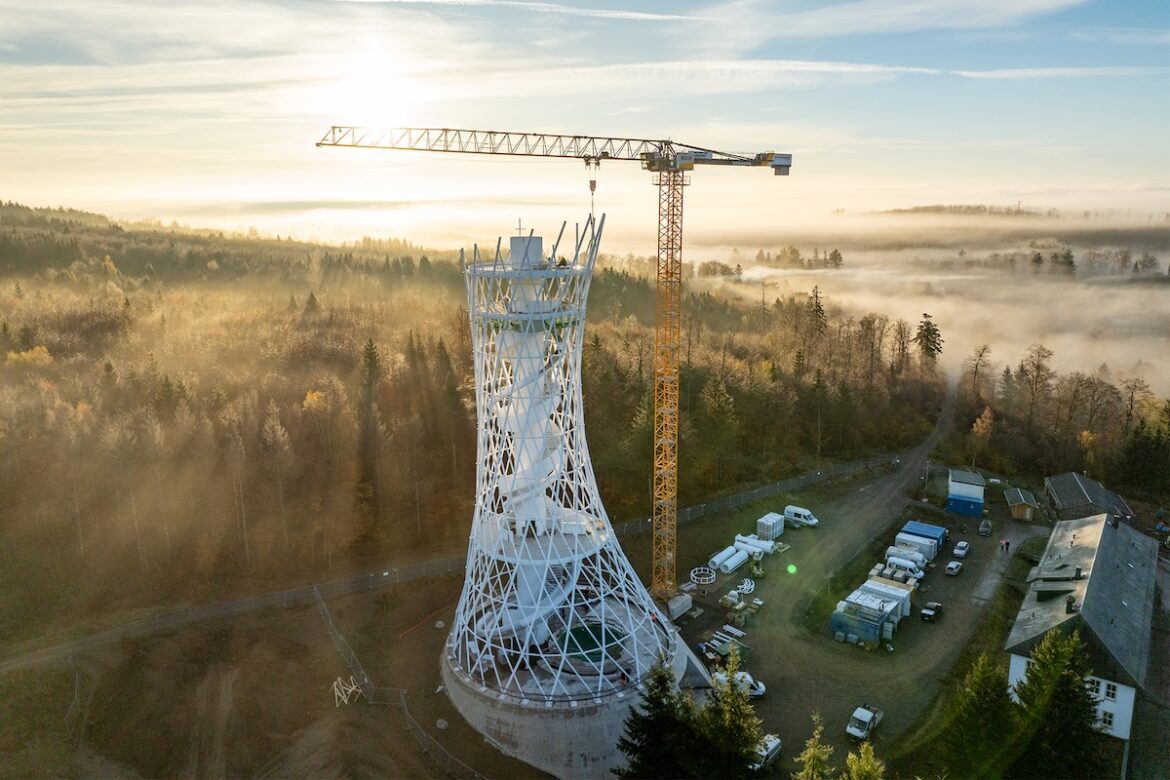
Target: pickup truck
{"x":864,"y":722}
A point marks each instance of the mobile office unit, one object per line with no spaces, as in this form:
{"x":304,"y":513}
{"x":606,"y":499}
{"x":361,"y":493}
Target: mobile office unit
{"x":927,"y":531}
{"x":965,"y":492}
{"x":927,"y":548}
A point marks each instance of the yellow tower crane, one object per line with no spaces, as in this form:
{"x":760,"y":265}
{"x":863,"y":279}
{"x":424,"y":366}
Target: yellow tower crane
{"x":668,"y":161}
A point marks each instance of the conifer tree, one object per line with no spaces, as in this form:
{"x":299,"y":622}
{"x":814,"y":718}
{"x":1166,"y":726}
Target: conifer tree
{"x":929,"y":340}
{"x":729,"y":726}
{"x":658,"y":739}
{"x":979,"y":724}
{"x":369,"y":441}
{"x":1058,"y":714}
{"x":814,"y":759}
{"x":863,"y":765}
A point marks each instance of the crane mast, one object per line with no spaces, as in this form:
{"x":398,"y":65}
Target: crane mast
{"x":669,"y":161}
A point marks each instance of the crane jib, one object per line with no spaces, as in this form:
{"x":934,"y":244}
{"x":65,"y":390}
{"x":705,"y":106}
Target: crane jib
{"x":653,"y":154}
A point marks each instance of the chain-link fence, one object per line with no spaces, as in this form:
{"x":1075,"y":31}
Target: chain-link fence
{"x":437,"y":753}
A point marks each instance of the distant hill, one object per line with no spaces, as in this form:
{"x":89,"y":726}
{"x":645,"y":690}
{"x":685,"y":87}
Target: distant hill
{"x":975,"y":211}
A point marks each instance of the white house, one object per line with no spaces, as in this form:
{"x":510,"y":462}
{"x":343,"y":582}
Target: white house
{"x":1097,"y":576}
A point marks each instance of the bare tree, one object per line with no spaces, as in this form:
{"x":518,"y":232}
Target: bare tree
{"x":1036,"y":376}
{"x":976,"y":363}
{"x":1135,"y":392}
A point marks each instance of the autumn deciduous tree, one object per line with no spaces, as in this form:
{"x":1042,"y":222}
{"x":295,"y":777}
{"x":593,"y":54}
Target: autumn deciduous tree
{"x":981,"y":433}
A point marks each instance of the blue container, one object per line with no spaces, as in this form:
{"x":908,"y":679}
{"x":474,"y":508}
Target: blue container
{"x":961,"y":505}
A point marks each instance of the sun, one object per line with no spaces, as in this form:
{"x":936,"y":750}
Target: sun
{"x":373,"y":87}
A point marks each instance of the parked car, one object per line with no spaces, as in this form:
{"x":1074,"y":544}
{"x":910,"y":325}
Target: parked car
{"x":953,"y":568}
{"x":931,"y":611}
{"x":985,"y":528}
{"x":755,"y":688}
{"x":767,"y":750}
{"x":961,"y":549}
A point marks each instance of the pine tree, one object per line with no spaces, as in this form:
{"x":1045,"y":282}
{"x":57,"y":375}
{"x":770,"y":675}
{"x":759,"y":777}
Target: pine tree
{"x":1058,"y":714}
{"x":369,"y":499}
{"x":929,"y":340}
{"x":814,"y":759}
{"x":977,"y":731}
{"x":311,"y":304}
{"x":659,"y":733}
{"x":863,"y":765}
{"x":818,"y":320}
{"x":729,"y":726}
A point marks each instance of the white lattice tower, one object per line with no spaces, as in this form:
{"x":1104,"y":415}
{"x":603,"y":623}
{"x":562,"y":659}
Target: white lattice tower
{"x":552,"y":614}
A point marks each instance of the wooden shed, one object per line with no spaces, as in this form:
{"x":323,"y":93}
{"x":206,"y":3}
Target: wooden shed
{"x":1021,"y":503}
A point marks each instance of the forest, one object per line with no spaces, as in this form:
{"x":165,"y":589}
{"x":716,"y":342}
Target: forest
{"x":186,"y":415}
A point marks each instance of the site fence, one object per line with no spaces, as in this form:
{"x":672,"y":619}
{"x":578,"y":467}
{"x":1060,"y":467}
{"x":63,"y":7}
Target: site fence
{"x":738,"y":500}
{"x":437,"y":753}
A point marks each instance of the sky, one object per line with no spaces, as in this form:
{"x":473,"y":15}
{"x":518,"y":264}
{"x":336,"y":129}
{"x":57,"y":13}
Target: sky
{"x":208,"y":113}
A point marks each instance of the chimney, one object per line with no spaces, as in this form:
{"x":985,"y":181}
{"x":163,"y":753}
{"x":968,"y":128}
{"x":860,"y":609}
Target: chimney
{"x":1114,"y":521}
{"x":1076,"y":575}
{"x":1070,"y":604}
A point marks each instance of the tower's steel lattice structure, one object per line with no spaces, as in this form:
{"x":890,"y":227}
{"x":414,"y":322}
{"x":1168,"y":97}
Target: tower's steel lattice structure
{"x":553,"y":624}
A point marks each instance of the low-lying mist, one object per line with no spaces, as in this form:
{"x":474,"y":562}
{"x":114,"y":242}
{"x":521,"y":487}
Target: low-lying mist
{"x":990,"y":291}
{"x":1086,"y":323}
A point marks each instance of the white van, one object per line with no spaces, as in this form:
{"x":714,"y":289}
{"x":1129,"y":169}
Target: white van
{"x":798,"y":516}
{"x":902,"y":564}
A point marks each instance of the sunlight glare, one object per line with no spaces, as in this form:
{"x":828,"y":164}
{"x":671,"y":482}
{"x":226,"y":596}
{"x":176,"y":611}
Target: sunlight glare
{"x":374,"y":88}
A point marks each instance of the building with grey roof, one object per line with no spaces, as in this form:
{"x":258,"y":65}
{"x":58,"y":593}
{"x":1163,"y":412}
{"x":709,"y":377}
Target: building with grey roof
{"x":1097,"y":576}
{"x":1074,"y":495}
{"x":1021,"y":503}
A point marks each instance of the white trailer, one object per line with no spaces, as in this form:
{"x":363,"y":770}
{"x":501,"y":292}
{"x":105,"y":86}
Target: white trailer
{"x":928,"y":547}
{"x":889,"y":590}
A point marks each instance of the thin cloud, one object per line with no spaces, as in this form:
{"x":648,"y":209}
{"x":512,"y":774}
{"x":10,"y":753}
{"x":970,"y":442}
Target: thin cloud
{"x":1126,"y":37}
{"x":546,"y":8}
{"x":1061,"y":73}
{"x":745,"y":25}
